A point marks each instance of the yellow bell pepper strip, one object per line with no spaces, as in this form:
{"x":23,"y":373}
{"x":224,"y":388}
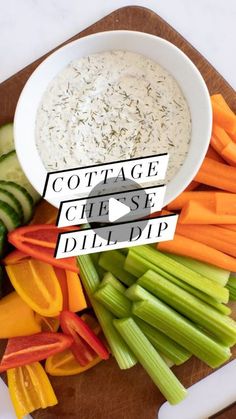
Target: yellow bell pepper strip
{"x":64,"y":364}
{"x":24,"y":350}
{"x":37,"y":284}
{"x":48,"y":324}
{"x":77,"y":301}
{"x":16,"y":317}
{"x":85,"y":341}
{"x":30,"y":389}
{"x":44,"y":213}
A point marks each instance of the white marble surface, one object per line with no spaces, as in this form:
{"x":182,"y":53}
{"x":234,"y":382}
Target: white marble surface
{"x":29,"y":28}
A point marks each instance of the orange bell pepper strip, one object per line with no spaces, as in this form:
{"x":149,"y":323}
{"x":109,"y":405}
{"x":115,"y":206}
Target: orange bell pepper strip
{"x":30,"y":389}
{"x":37,"y":284}
{"x":16,"y":317}
{"x":77,"y":301}
{"x":24,"y":350}
{"x":62,"y":279}
{"x":64,"y":364}
{"x":44,"y":213}
{"x":25,"y":239}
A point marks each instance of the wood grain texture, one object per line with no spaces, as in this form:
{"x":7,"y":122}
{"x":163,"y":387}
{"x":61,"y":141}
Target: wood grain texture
{"x":105,"y":392}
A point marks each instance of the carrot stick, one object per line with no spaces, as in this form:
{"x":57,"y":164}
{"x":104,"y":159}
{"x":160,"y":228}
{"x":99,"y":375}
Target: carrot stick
{"x":221,"y":135}
{"x":231,"y":227}
{"x":195,"y":212}
{"x":212,"y":154}
{"x":193,"y":185}
{"x":216,"y":231}
{"x":223,"y":144}
{"x":220,"y":202}
{"x":219,"y":99}
{"x":213,"y":236}
{"x":233,"y":137}
{"x":219,"y":175}
{"x":185,"y":197}
{"x":229,"y":153}
{"x":224,"y":117}
{"x":187,"y":247}
{"x":225,"y":203}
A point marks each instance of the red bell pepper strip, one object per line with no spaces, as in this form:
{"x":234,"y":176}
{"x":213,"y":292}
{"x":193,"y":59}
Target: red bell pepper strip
{"x":45,"y":235}
{"x":62,"y":279}
{"x":73,"y":325}
{"x":24,"y":350}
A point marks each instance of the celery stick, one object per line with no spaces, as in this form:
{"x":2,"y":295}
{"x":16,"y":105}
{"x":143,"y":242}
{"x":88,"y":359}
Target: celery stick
{"x":212,"y":272}
{"x":151,"y":361}
{"x":90,"y":279}
{"x":231,"y":286}
{"x":95,"y":258}
{"x":124,"y":250}
{"x":114,"y":301}
{"x":168,"y":361}
{"x":221,"y":326}
{"x":99,"y":269}
{"x":187,"y":275}
{"x":232,"y":293}
{"x":120,"y":306}
{"x":232,"y":281}
{"x":113,"y":261}
{"x":163,"y":343}
{"x":88,"y":274}
{"x":108,"y":278}
{"x":138,"y":293}
{"x":138,"y":266}
{"x":183,"y":331}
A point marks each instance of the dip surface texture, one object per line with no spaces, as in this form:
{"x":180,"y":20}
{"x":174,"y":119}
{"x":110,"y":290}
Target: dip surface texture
{"x":110,"y":106}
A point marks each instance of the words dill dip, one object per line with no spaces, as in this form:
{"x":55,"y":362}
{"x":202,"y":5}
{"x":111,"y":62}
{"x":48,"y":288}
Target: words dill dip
{"x":110,"y":106}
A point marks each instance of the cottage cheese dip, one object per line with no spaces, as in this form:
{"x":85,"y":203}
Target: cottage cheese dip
{"x":110,"y":106}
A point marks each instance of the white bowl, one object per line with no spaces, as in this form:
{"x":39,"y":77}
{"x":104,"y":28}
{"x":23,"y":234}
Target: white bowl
{"x":158,"y":49}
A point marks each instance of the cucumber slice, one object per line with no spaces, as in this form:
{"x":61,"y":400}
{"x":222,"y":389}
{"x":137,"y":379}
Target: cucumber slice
{"x":22,"y":196}
{"x":6,"y":138}
{"x":9,"y":198}
{"x":10,"y":169}
{"x":3,"y":240}
{"x":9,"y":216}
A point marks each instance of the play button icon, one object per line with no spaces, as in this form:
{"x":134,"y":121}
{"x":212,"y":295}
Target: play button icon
{"x":120,"y":205}
{"x":117,"y":210}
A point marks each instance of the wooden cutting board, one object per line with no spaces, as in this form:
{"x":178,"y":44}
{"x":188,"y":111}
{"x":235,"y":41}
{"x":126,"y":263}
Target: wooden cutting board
{"x":105,"y":392}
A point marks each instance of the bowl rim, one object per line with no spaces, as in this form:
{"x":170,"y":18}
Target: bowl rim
{"x":33,"y":166}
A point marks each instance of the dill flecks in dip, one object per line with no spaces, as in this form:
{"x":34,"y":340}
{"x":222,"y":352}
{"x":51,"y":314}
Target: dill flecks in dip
{"x":110,"y":106}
